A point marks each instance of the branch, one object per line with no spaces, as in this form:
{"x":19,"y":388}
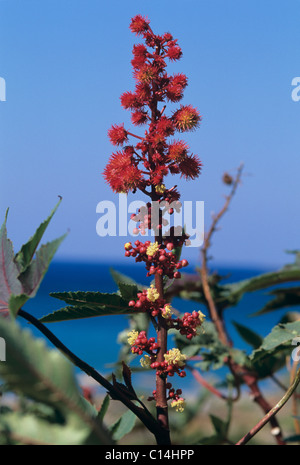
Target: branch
{"x":201,"y":380}
{"x":214,"y":314}
{"x":249,"y":378}
{"x":144,"y":415}
{"x":221,"y":213}
{"x":272,"y":412}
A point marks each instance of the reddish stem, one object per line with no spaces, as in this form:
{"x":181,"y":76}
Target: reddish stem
{"x":161,"y":381}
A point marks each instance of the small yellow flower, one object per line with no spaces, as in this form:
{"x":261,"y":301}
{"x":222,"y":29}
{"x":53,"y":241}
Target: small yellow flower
{"x":152,"y":293}
{"x":167,"y":311}
{"x":160,"y":188}
{"x":131,"y":337}
{"x":152,"y":248}
{"x":175,"y":357}
{"x":178,"y":404}
{"x":201,"y":316}
{"x":145,"y":361}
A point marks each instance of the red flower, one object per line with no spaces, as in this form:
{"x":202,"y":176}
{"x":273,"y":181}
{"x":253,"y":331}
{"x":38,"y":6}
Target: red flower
{"x":139,"y":24}
{"x":146,"y":74}
{"x":117,"y":135}
{"x":186,"y":118}
{"x":167,"y":36}
{"x":139,"y":117}
{"x":172,"y":195}
{"x":139,"y":50}
{"x":140,"y":54}
{"x":174,"y":91}
{"x":165,"y":126}
{"x":178,"y":150}
{"x":158,"y":175}
{"x":153,"y":85}
{"x":174,"y":52}
{"x":143,"y":92}
{"x":190,"y":167}
{"x":174,"y":169}
{"x":121,"y":174}
{"x":130,"y":101}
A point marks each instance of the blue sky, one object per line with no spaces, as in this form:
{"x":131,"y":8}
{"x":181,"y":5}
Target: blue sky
{"x":66,"y":63}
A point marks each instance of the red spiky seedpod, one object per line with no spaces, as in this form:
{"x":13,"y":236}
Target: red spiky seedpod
{"x":154,"y":156}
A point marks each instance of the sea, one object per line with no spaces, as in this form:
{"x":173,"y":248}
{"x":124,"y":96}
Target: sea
{"x":95,"y":340}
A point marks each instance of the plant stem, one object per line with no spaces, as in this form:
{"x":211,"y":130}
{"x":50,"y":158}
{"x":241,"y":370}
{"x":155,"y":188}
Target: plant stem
{"x":249,"y":378}
{"x":161,"y":396}
{"x":214,"y":314}
{"x":272,"y":412}
{"x":143,"y":414}
{"x":294,"y":400}
{"x":199,"y":378}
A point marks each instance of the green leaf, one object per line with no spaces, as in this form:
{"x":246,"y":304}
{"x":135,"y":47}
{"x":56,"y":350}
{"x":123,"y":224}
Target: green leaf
{"x":20,"y":277}
{"x":123,"y":425}
{"x":271,"y":362}
{"x":45,"y":376}
{"x":277,"y":340}
{"x":104,"y":408}
{"x":239,"y":356}
{"x":229,"y":295}
{"x":127,"y":286}
{"x":9,"y":283}
{"x":87,"y":305}
{"x":219,"y":425}
{"x":16,"y":302}
{"x":32,"y":277}
{"x":191,"y":350}
{"x":24,"y":256}
{"x":24,"y":428}
{"x":122,"y":278}
{"x":285,"y":297}
{"x":128,"y":291}
{"x":248,"y":335}
{"x":262,"y":282}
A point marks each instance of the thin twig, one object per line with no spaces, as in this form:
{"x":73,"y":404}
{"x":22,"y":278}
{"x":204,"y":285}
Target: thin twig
{"x":201,"y":380}
{"x":272,"y":412}
{"x":294,"y":400}
{"x":214,"y":314}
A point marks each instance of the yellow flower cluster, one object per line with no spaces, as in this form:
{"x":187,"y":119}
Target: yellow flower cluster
{"x":145,"y":361}
{"x":175,"y":357}
{"x":201,"y":316}
{"x":152,"y":248}
{"x":178,"y":404}
{"x":152,"y":293}
{"x":131,"y":337}
{"x":167,"y":311}
{"x":160,"y":188}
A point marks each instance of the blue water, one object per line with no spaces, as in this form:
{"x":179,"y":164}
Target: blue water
{"x":95,"y":339}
